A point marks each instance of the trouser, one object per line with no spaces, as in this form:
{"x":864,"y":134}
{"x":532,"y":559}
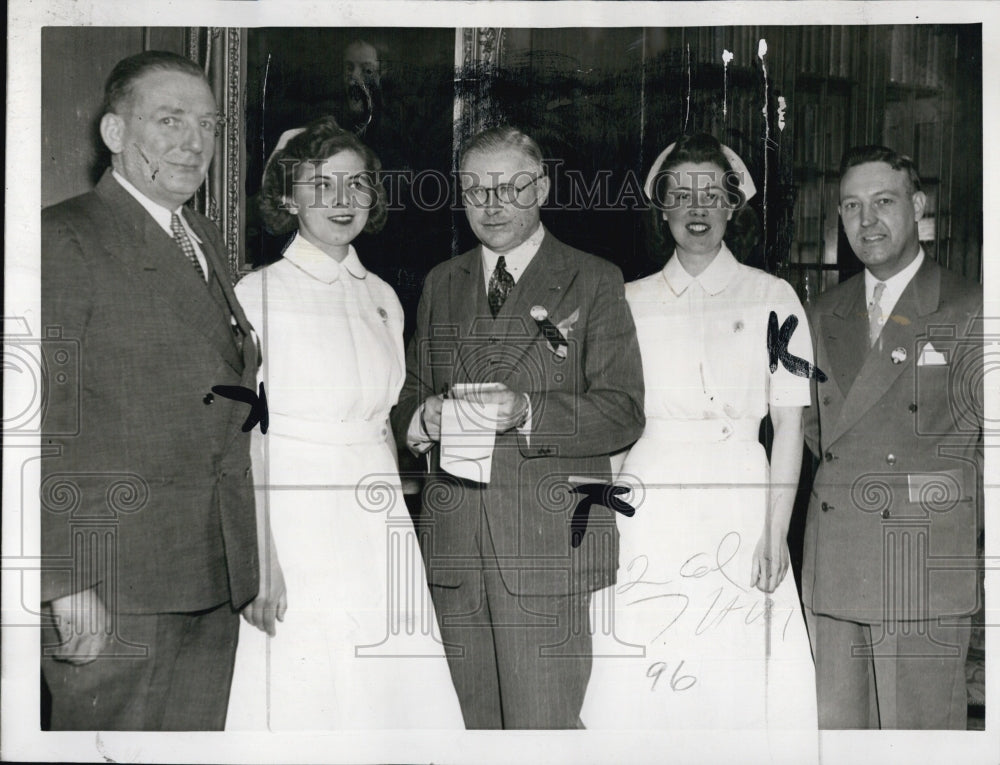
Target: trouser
{"x":180,"y":683}
{"x":517,"y":661}
{"x":893,"y":675}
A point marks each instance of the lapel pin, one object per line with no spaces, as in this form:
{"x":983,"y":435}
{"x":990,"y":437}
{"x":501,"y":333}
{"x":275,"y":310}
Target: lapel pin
{"x":538,"y":313}
{"x":898,"y":355}
{"x":383,"y":314}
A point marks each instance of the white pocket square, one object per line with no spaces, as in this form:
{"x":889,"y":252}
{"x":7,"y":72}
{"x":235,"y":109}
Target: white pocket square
{"x":931,"y":358}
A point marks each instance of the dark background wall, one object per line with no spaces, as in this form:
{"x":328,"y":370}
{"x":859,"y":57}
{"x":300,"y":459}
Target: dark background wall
{"x":75,"y":63}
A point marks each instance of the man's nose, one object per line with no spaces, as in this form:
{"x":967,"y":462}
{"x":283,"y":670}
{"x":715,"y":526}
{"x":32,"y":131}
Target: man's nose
{"x":493,"y":204}
{"x":867,"y":215}
{"x":193,"y":140}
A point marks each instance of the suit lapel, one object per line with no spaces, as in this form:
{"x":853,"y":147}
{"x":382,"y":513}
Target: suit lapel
{"x":154,"y":260}
{"x":469,"y":310}
{"x":846,"y":336}
{"x":879,"y":373}
{"x":221,"y":289}
{"x":543,"y":283}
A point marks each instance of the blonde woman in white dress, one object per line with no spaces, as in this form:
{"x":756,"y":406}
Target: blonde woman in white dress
{"x":352,"y":643}
{"x":703,"y":629}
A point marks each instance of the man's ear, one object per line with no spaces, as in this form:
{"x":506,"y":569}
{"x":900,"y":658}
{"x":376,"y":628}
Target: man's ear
{"x":543,"y":189}
{"x":919,"y":203}
{"x":112,"y":132}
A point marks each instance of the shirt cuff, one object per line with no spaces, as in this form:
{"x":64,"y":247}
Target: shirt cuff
{"x":525,"y":427}
{"x":417,"y":439}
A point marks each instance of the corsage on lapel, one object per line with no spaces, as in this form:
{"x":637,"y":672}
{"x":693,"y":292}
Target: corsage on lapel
{"x":555,"y":334}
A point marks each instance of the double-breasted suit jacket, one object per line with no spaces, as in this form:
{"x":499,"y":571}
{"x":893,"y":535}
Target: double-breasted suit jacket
{"x":142,"y":442}
{"x":586,"y":403}
{"x":892,"y":521}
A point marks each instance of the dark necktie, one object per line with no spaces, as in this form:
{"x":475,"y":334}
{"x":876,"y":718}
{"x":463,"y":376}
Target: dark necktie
{"x":501,"y":283}
{"x":184,"y":242}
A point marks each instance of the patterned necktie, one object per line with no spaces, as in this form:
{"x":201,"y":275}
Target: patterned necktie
{"x":501,"y":283}
{"x":184,"y":242}
{"x":875,"y":314}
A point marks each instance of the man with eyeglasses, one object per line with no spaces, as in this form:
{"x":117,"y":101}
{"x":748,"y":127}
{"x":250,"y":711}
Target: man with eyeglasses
{"x":543,"y":333}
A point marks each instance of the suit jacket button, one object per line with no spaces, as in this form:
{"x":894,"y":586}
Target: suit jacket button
{"x":828,"y":456}
{"x":826,"y":400}
{"x":912,"y":407}
{"x":209,"y":398}
{"x":885,"y":513}
{"x":824,"y":507}
{"x":890,"y":459}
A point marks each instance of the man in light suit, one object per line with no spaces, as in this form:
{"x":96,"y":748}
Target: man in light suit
{"x":549,"y":328}
{"x":148,"y":524}
{"x":889,"y":578}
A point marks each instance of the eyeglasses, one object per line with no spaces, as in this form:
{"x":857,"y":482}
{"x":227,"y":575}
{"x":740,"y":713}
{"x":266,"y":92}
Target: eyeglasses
{"x":506,"y":193}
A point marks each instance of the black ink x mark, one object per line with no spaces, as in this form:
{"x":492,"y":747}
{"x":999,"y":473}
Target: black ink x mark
{"x":257,"y":401}
{"x":551,"y":332}
{"x":777,"y":348}
{"x":596,"y":494}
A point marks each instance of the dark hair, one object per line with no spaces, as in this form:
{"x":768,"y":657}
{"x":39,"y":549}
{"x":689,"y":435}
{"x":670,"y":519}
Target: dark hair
{"x":701,"y":148}
{"x":123,"y":77}
{"x":860,"y":155}
{"x":321,"y":138}
{"x":503,"y":137}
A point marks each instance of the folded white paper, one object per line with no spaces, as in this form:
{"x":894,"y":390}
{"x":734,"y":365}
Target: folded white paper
{"x":468,"y":433}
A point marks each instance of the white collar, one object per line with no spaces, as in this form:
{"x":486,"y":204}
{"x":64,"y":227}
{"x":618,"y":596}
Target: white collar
{"x":311,"y":259}
{"x":713,"y":279}
{"x":160,"y":213}
{"x":895,"y":284}
{"x":516,"y":259}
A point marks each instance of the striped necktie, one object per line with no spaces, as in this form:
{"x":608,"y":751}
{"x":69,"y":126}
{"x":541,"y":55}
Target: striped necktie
{"x":184,"y":242}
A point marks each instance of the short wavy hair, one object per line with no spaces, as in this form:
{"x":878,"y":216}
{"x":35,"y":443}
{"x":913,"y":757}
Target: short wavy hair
{"x":121,"y":82}
{"x":861,"y":155}
{"x":500,"y":138}
{"x":322,"y":138}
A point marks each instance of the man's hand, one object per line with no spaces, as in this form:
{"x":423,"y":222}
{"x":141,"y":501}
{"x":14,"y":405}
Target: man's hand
{"x":271,"y":602}
{"x":512,"y":406}
{"x":82,"y":622}
{"x":430,"y":417}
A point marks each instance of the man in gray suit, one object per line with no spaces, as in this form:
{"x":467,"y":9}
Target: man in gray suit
{"x":889,"y":565}
{"x":148,"y":523}
{"x":546,"y":332}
